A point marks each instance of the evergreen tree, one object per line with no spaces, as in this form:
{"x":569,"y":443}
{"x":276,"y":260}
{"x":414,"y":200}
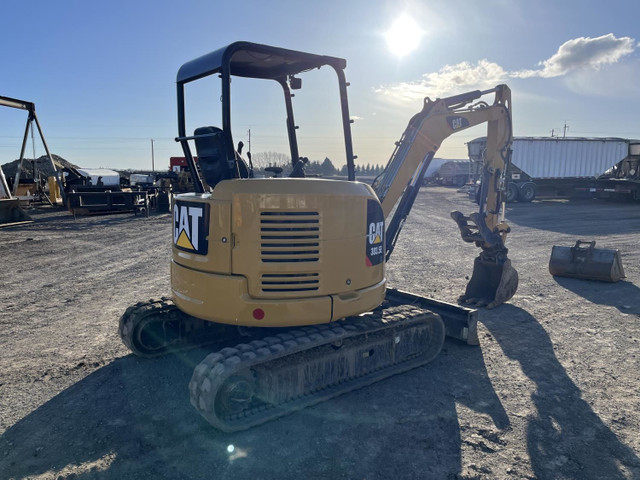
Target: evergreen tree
{"x":327,"y":169}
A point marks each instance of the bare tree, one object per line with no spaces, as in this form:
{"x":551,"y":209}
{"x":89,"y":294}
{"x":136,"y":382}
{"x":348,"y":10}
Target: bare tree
{"x":262,"y":160}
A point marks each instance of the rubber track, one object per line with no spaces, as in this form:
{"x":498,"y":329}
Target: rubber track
{"x":210,"y":375}
{"x":158,"y":308}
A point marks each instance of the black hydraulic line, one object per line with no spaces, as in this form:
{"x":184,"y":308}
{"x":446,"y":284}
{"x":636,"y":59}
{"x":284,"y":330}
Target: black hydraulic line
{"x":462,"y":99}
{"x":404,"y":207}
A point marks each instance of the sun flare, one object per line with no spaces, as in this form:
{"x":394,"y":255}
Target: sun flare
{"x":404,"y":36}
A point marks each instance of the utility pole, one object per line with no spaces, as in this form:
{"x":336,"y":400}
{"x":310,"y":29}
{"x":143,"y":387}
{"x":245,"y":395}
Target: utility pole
{"x":249,"y":140}
{"x":153,"y":165}
{"x":552,"y":132}
{"x":564,"y":129}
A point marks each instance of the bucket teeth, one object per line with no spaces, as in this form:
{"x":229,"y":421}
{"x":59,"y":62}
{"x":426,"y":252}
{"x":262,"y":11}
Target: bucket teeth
{"x":492,"y":283}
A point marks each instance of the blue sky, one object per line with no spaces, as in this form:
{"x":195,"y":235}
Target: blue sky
{"x":102,"y":74}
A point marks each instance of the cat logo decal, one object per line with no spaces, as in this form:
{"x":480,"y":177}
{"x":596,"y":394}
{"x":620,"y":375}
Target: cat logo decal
{"x":375,"y":234}
{"x":190,"y":227}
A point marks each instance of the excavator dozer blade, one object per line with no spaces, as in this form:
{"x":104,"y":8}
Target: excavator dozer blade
{"x":11,"y":213}
{"x":491,"y":284}
{"x":588,"y":263}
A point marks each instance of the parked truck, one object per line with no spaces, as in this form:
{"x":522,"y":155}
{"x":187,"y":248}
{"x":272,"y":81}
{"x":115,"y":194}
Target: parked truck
{"x":453,"y":173}
{"x":567,"y":167}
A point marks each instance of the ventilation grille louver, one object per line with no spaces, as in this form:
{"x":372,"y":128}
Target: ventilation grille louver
{"x":290,"y":238}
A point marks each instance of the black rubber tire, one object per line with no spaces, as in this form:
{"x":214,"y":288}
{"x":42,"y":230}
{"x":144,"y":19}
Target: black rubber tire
{"x":527,"y":192}
{"x":512,"y":193}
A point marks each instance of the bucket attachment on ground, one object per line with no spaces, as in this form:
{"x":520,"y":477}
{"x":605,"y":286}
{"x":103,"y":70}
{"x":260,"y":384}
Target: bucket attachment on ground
{"x":585,"y":261}
{"x":10,"y":212}
{"x":493,"y":282}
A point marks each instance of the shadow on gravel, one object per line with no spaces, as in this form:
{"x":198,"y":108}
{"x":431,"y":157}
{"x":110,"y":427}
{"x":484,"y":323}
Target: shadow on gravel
{"x":132,"y":419}
{"x":623,"y":295}
{"x":60,"y":219}
{"x":580,"y":217}
{"x":566,"y":439}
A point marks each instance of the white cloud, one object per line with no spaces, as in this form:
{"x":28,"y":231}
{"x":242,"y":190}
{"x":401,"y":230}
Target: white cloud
{"x":615,"y":81}
{"x":582,"y":53}
{"x":581,"y":57}
{"x":449,"y":80}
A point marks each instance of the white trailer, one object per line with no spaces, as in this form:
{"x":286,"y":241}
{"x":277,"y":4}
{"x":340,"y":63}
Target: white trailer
{"x":565,"y":167}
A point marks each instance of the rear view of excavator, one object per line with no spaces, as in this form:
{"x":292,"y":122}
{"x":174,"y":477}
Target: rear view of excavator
{"x":284,"y":278}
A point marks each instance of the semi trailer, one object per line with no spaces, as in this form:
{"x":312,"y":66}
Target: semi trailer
{"x":567,"y":167}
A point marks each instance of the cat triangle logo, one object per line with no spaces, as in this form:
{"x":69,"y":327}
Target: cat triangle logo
{"x":376,"y":231}
{"x":190,"y":227}
{"x":184,"y":242}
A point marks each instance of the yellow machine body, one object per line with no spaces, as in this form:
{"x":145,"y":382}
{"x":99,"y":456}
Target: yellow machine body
{"x":305,"y":252}
{"x":278,"y":252}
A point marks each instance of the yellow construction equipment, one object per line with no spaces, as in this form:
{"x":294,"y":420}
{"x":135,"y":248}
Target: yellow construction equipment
{"x":285,"y":277}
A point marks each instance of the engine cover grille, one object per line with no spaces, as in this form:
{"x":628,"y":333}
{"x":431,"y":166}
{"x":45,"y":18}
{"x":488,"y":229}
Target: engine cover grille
{"x":291,"y":238}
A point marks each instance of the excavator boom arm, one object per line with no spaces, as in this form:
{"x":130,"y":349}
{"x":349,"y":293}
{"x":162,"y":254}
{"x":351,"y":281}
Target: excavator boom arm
{"x":423,"y":136}
{"x":400,"y":182}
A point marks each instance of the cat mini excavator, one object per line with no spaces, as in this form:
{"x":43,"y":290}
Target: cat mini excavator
{"x":285,"y":277}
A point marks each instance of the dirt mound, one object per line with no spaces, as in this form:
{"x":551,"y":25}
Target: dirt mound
{"x":42,"y":164}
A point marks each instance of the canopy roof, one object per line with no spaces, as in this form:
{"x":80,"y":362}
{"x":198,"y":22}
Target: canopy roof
{"x":245,"y":59}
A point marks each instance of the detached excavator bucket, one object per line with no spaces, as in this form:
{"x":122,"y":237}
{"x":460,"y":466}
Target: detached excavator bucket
{"x":492,"y":283}
{"x":586,"y":262}
{"x":10,"y":212}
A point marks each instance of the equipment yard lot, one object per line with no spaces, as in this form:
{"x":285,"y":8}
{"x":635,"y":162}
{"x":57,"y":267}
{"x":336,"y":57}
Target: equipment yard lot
{"x":551,"y":392}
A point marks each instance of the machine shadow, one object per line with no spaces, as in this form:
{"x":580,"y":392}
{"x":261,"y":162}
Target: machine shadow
{"x":119,"y":414}
{"x":623,"y":295}
{"x":580,"y":217}
{"x":132,"y":419}
{"x":566,"y":438}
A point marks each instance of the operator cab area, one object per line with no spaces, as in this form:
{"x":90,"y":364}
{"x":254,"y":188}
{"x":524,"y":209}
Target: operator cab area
{"x":217,"y":157}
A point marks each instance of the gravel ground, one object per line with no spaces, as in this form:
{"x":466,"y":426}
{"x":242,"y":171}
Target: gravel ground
{"x":551,"y":392}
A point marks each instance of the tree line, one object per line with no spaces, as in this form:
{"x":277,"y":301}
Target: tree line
{"x":325,"y":168}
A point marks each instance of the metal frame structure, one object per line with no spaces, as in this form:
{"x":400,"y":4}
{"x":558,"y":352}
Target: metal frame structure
{"x":252,"y":60}
{"x":30,"y":107}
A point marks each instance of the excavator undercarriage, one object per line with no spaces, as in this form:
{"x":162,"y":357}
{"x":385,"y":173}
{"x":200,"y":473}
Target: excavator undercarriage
{"x":251,"y":383}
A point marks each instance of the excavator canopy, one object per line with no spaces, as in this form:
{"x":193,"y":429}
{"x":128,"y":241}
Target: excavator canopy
{"x":263,"y":62}
{"x":253,"y":60}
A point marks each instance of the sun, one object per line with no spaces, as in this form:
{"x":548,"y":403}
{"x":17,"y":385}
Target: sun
{"x":404,"y":36}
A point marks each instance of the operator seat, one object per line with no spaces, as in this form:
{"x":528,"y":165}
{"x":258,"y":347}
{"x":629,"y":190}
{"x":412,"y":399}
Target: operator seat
{"x":212,"y":155}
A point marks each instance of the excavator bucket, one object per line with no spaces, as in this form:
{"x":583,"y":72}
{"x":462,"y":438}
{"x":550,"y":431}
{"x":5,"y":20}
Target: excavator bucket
{"x":492,"y":283}
{"x":10,"y":212}
{"x":585,"y":261}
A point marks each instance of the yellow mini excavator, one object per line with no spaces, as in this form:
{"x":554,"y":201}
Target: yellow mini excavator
{"x":285,"y":277}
